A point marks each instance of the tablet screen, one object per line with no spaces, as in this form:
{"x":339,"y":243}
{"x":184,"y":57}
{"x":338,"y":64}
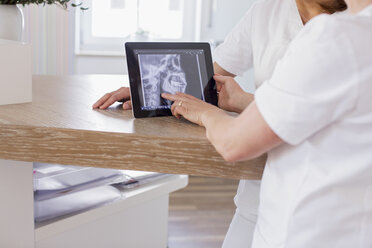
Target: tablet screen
{"x":170,"y":71}
{"x":168,"y":67}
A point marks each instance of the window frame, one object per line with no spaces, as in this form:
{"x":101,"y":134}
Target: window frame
{"x":86,"y":44}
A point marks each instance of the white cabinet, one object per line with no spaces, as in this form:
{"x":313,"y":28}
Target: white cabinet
{"x":139,"y":219}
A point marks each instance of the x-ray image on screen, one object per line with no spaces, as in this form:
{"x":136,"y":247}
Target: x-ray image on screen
{"x":168,"y":73}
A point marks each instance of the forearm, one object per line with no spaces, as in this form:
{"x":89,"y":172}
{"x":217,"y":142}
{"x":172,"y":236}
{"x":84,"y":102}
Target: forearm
{"x":218,"y":125}
{"x":244,"y":137}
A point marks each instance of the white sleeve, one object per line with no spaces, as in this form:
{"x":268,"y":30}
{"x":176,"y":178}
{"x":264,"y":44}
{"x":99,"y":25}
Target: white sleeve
{"x":235,"y":53}
{"x":314,"y":85}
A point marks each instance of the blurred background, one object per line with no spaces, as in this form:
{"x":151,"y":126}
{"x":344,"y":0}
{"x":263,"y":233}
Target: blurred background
{"x":92,"y":41}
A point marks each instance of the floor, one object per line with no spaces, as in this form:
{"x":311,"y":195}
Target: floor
{"x":200,"y":214}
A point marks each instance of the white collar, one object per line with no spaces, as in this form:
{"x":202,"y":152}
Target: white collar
{"x":367,"y":11}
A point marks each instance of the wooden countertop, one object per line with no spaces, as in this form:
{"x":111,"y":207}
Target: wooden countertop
{"x":59,"y":126}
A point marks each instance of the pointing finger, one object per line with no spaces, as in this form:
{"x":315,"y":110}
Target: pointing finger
{"x":170,"y":97}
{"x":185,"y":96}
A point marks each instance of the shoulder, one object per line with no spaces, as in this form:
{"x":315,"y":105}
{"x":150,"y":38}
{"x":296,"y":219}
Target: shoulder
{"x":270,"y":10}
{"x":323,"y":26}
{"x":274,"y":18}
{"x":322,"y":51}
{"x":347,"y":33}
{"x":271,"y":6}
{"x":334,"y":26}
{"x":324,"y":30}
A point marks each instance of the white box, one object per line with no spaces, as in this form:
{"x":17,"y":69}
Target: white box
{"x":15,"y":72}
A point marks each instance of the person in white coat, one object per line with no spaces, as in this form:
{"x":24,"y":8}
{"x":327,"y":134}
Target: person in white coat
{"x":258,"y":41}
{"x":314,"y":118}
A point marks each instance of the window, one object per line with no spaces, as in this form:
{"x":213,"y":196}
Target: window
{"x":108,"y":24}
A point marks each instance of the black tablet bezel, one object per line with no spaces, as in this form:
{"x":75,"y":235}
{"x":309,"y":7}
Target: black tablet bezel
{"x":210,"y":93}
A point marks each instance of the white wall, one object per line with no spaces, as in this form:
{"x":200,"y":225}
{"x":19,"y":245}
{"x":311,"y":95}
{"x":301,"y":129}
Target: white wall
{"x":220,"y":16}
{"x":102,"y":64}
{"x":218,"y":19}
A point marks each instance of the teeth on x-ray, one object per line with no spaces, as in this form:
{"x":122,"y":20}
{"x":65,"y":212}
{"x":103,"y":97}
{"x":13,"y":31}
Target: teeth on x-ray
{"x":161,"y":73}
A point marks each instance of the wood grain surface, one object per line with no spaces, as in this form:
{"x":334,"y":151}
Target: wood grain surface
{"x":59,"y":126}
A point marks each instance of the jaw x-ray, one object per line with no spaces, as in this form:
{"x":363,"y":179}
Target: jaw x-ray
{"x":169,"y":73}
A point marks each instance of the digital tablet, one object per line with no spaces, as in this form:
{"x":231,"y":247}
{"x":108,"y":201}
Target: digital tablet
{"x":156,"y":68}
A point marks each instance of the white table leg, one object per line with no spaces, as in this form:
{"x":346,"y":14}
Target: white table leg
{"x":16,"y":205}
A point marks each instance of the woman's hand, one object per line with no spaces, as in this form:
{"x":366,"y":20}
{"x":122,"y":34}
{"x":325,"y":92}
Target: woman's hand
{"x":122,"y":94}
{"x":190,"y":107}
{"x":230,"y":96}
